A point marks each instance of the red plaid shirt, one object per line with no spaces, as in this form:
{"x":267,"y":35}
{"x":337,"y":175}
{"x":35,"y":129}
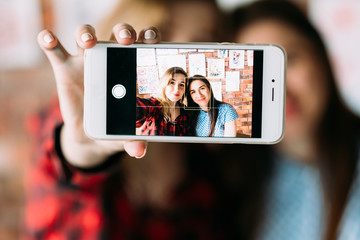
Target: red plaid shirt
{"x":150,"y":119}
{"x":64,"y":202}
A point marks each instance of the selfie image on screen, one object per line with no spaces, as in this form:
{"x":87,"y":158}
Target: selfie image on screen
{"x":195,"y":92}
{"x":188,"y":92}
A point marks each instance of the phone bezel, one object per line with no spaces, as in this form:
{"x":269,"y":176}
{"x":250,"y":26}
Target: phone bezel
{"x":273,"y":115}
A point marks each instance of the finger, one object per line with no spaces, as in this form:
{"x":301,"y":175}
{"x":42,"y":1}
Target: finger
{"x":85,"y":38}
{"x":135,"y":148}
{"x":124,"y":34}
{"x":52,"y":47}
{"x":149,"y":35}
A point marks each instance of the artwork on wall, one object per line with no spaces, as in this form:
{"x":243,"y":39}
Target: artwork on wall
{"x":216,"y":87}
{"x":187,"y":50}
{"x":167,"y":61}
{"x":146,"y":57}
{"x":147,"y":79}
{"x":232,"y":81}
{"x":216,"y":68}
{"x":166,"y":51}
{"x":197,"y":64}
{"x":223,"y":53}
{"x":236,"y":59}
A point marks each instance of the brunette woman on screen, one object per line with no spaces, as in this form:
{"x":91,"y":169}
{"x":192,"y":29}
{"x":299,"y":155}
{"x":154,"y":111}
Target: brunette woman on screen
{"x":210,"y":116}
{"x":163,"y":114}
{"x":316,"y":180}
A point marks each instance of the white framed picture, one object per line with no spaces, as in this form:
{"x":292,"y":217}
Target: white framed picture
{"x":216,"y":68}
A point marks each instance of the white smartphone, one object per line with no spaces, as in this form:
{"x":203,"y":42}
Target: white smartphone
{"x":241,"y":89}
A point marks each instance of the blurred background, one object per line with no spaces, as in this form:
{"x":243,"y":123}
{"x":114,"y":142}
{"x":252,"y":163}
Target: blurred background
{"x":27,"y":84}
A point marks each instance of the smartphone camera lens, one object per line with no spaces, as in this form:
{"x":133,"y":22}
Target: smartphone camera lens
{"x":273,"y":80}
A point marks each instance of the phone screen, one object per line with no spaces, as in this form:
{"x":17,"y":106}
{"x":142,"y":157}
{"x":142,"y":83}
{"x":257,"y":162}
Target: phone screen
{"x":184,"y":92}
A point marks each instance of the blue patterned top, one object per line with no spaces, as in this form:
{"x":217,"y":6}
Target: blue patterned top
{"x":226,"y":114}
{"x":350,"y":224}
{"x":295,"y":207}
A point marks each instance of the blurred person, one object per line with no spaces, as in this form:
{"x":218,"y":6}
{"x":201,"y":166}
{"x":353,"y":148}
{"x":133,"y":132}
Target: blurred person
{"x":178,"y":20}
{"x":80,"y":188}
{"x":315,"y":185}
{"x":210,"y":116}
{"x":163,"y":114}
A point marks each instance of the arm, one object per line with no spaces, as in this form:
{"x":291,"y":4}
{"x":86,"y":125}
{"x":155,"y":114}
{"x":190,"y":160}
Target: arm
{"x":78,"y":149}
{"x":144,"y":108}
{"x":55,"y":188}
{"x":230,"y":123}
{"x":230,"y":129}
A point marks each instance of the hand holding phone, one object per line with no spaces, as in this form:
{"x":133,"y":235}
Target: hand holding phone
{"x":78,"y":149}
{"x":185,"y":92}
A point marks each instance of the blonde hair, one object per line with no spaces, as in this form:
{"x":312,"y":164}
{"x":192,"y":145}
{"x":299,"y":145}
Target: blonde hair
{"x":135,"y":13}
{"x":160,"y":94}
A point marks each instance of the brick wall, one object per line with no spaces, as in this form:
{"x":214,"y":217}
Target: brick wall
{"x":241,"y":100}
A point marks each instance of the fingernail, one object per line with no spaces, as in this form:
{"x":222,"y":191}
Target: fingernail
{"x":144,"y":153}
{"x":149,"y":34}
{"x":86,"y":37}
{"x":125,"y":33}
{"x":48,"y":38}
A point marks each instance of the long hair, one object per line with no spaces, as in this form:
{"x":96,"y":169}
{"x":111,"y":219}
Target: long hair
{"x":338,"y":131}
{"x":160,"y":94}
{"x":213,"y":104}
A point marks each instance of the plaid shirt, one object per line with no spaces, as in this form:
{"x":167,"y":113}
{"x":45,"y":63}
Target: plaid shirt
{"x":150,"y":119}
{"x":64,"y":202}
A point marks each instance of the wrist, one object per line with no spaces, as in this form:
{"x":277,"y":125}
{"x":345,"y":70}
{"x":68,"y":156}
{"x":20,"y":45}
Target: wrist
{"x":81,"y":151}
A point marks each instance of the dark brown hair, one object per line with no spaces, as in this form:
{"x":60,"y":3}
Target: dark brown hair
{"x":338,"y":132}
{"x":213,"y":104}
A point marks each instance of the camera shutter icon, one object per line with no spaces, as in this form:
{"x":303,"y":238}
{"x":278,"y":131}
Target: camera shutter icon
{"x":118,"y":91}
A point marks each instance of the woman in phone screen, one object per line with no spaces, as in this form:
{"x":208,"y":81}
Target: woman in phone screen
{"x":163,"y":114}
{"x":215,"y":118}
